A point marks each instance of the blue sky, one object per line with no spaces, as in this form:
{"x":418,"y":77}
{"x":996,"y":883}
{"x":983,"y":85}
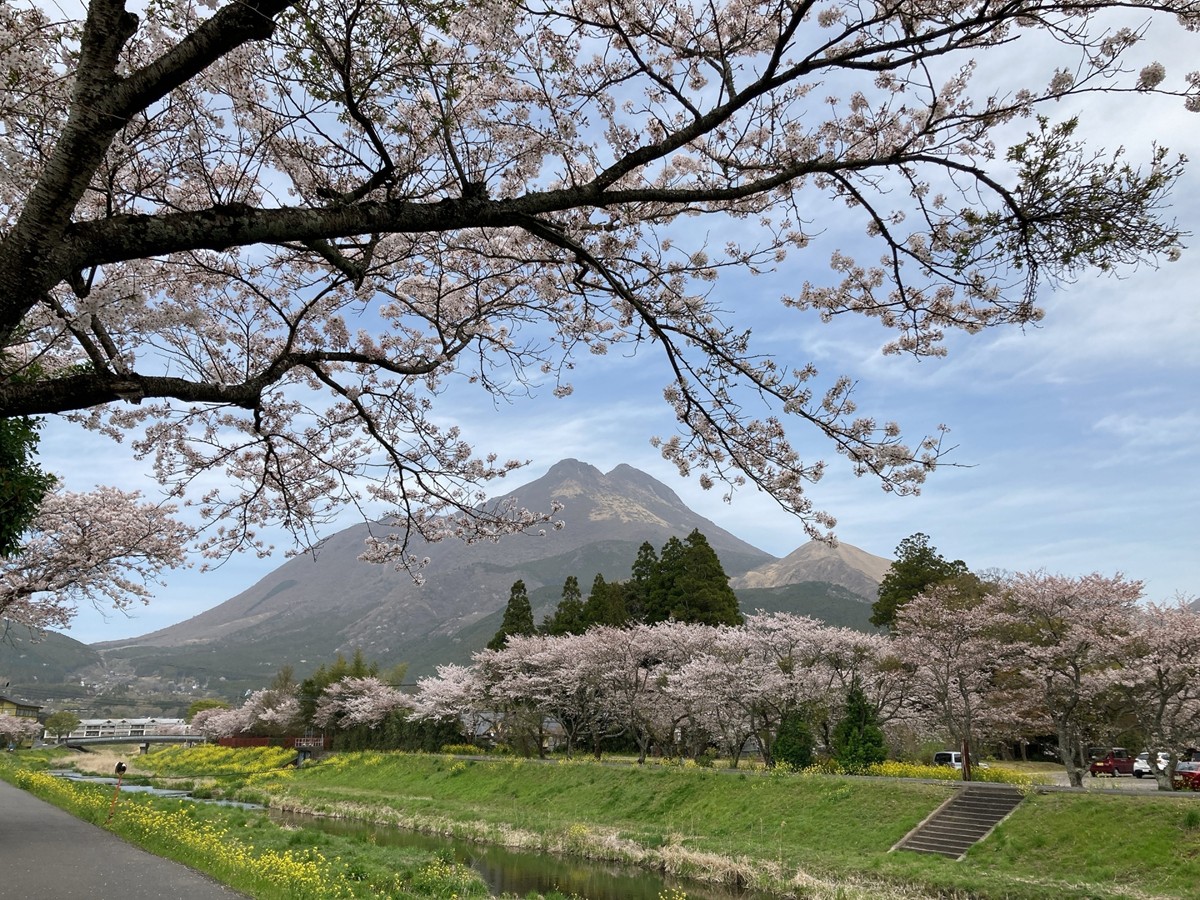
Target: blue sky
{"x":1076,"y":440}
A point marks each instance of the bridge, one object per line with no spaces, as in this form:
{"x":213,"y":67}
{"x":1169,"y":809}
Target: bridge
{"x":80,"y":742}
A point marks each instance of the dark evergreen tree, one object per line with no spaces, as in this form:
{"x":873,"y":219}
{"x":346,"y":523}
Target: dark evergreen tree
{"x":794,"y":741}
{"x":641,"y":582}
{"x":22,"y":482}
{"x":858,"y":739}
{"x":917,"y":567}
{"x":518,"y":617}
{"x":671,"y":562}
{"x":568,"y":615}
{"x":605,"y":604}
{"x":699,"y":591}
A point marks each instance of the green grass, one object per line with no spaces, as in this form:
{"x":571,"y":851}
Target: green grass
{"x":247,"y":851}
{"x":820,"y":836}
{"x":773,"y":830}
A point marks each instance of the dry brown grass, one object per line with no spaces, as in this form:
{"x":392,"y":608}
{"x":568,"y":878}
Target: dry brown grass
{"x":103,"y":760}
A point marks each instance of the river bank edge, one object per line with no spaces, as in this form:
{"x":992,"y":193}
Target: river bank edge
{"x":875,"y":874}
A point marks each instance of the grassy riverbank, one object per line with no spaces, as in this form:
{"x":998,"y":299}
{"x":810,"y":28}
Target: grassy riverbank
{"x":244,"y":849}
{"x":812,"y":835}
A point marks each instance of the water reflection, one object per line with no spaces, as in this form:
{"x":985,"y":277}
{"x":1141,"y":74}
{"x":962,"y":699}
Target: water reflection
{"x":521,"y":873}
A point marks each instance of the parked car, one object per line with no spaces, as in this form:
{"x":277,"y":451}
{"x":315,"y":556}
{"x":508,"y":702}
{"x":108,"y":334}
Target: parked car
{"x":1187,"y":776}
{"x":1112,"y":761}
{"x":1141,"y":765}
{"x":951,"y":758}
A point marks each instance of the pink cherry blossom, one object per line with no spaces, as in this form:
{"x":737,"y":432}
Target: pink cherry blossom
{"x":358,"y":701}
{"x":265,"y":239}
{"x":17,"y":729}
{"x":1063,"y":640}
{"x":104,"y":547}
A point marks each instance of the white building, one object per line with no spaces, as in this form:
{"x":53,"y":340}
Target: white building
{"x":130,"y":728}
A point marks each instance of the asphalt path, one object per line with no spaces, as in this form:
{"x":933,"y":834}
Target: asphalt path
{"x":1110,"y":783}
{"x":45,"y":852}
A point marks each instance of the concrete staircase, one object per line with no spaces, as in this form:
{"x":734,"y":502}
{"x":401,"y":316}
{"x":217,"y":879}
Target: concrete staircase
{"x":965,"y":819}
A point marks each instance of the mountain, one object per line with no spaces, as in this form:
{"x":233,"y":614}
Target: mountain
{"x":314,"y":607}
{"x":28,"y":658}
{"x":854,"y":569}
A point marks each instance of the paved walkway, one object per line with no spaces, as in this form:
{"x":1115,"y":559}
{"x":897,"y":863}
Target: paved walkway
{"x":45,"y":852}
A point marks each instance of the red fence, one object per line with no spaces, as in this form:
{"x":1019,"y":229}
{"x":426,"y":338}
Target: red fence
{"x":306,"y":742}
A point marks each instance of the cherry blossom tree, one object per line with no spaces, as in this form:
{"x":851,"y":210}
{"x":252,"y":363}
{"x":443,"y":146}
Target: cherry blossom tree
{"x":218,"y":722}
{"x":266,"y":235}
{"x":351,"y":702}
{"x":103,"y":547}
{"x":273,"y":710}
{"x":848,"y":657}
{"x":18,"y":729}
{"x":954,"y":651}
{"x":1065,"y":639}
{"x":514,"y":687}
{"x":720,"y":687}
{"x":563,"y":678}
{"x":751,"y":677}
{"x":454,"y":693}
{"x":644,"y":659}
{"x":1163,"y":673}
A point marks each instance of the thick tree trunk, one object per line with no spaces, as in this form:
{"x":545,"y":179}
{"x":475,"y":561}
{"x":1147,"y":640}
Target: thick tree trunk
{"x":1070,"y":751}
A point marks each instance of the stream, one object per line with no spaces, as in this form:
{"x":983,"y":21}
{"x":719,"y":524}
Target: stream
{"x":521,"y":872}
{"x":503,"y":870}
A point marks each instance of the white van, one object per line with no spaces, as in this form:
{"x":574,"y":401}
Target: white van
{"x":951,"y":758}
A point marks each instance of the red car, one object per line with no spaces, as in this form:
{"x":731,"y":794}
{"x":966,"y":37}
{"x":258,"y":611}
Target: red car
{"x":1187,"y":776}
{"x":1115,"y":761}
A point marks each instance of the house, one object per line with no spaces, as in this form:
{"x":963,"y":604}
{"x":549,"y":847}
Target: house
{"x":19,"y":719}
{"x":10,"y":706}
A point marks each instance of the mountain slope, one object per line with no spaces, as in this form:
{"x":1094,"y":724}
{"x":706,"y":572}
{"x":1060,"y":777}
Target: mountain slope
{"x":314,"y":607}
{"x":311,"y":608}
{"x":854,"y":569}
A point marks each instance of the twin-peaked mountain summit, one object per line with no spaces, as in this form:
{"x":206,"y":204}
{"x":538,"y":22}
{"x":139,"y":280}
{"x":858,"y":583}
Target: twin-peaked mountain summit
{"x":311,"y":608}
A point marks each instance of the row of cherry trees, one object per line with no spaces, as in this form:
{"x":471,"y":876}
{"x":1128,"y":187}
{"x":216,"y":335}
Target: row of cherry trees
{"x":676,"y":686}
{"x":1080,"y":658}
{"x":1037,"y":654}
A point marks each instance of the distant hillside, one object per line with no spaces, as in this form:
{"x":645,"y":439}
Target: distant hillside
{"x":27,"y":657}
{"x":831,"y":603}
{"x":854,"y":569}
{"x":37,"y":666}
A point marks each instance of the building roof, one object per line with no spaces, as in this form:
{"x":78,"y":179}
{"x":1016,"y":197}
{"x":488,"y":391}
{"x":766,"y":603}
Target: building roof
{"x":4,"y":698}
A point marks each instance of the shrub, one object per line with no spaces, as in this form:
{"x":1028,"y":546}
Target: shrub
{"x":858,"y":740}
{"x":462,"y":749}
{"x":794,"y":742}
{"x":706,"y":760}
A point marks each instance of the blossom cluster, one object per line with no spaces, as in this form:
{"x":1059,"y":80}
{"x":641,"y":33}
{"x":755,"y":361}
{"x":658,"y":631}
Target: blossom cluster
{"x":667,"y":684}
{"x":266,"y":241}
